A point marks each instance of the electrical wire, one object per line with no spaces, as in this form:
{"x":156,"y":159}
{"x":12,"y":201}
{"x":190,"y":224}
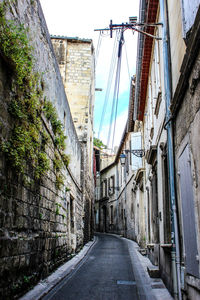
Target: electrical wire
{"x":117,"y":100}
{"x":116,"y":91}
{"x":109,"y":82}
{"x":98,"y":47}
{"x":129,"y":74}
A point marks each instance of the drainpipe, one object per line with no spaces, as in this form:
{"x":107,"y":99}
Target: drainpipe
{"x":117,"y":197}
{"x":175,"y":253}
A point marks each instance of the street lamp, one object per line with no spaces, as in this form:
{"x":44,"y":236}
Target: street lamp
{"x":136,"y":152}
{"x":122,"y":159}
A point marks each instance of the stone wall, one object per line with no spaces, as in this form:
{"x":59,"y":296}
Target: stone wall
{"x":76,"y":61}
{"x":38,"y":229}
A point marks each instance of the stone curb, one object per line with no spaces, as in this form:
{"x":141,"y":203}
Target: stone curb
{"x":154,"y":288}
{"x":148,"y":288}
{"x":46,"y":285}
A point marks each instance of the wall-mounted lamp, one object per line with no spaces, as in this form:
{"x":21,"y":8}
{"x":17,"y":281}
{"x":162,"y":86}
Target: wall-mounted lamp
{"x":122,"y":159}
{"x":136,"y":152}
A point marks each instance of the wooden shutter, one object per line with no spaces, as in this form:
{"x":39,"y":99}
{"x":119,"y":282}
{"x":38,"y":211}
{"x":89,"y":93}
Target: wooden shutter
{"x":188,"y":215}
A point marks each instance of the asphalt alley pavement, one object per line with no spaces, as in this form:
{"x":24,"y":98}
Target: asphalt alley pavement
{"x":109,"y":268}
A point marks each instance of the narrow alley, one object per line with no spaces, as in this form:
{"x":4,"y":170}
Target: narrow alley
{"x":111,"y":269}
{"x":99,"y":170}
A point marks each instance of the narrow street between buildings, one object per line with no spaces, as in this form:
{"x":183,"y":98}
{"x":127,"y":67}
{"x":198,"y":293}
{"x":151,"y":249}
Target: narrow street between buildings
{"x":111,"y":270}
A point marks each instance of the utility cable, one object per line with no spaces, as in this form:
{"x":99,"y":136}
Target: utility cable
{"x":117,"y":98}
{"x":98,"y":47}
{"x":109,"y":82}
{"x":116,"y":89}
{"x":129,"y":74}
{"x":117,"y":92}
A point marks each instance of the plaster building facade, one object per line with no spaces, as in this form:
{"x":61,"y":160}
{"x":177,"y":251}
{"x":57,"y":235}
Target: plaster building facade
{"x":76,"y":62}
{"x":42,"y":198}
{"x":157,"y":203}
{"x":186,"y":111}
{"x":170,"y":140}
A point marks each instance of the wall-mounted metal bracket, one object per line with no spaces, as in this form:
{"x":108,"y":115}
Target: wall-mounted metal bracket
{"x":137,"y":152}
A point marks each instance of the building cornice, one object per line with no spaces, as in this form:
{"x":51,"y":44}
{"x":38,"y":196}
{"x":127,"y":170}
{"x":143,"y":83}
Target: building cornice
{"x":147,"y":43}
{"x":71,"y":39}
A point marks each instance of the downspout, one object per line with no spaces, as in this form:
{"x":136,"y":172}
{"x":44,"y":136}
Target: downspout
{"x":117,"y":198}
{"x":175,"y":253}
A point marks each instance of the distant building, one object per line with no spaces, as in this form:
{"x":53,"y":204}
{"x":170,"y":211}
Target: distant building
{"x":76,"y":62}
{"x":121,"y":197}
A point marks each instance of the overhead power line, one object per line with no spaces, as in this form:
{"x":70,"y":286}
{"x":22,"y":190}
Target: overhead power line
{"x":116,"y":92}
{"x":109,"y":81}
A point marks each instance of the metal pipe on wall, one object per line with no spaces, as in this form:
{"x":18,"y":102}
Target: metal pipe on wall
{"x":175,"y":253}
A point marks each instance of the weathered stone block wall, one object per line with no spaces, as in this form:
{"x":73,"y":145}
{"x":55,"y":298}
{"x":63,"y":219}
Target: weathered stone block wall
{"x":76,"y":61}
{"x":35,"y":224}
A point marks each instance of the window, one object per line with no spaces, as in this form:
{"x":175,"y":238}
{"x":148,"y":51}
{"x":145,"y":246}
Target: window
{"x":188,"y":212}
{"x":127,"y":163}
{"x":157,"y":67}
{"x":72,"y":214}
{"x":132,"y":211}
{"x":150,"y":106}
{"x":130,"y":153}
{"x":104,"y":188}
{"x":154,"y":211}
{"x":157,"y":96}
{"x":111,"y":214}
{"x":111,"y":185}
{"x":101,"y":188}
{"x":166,"y":199}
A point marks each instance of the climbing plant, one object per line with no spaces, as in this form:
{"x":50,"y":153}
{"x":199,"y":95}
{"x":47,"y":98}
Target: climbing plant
{"x":27,"y":140}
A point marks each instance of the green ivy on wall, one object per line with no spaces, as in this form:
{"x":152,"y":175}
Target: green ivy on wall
{"x":27,"y":141}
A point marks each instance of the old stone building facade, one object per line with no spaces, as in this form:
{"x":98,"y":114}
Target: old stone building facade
{"x":169,"y":132}
{"x":172,"y":242}
{"x":76,"y":61}
{"x":43,"y":191}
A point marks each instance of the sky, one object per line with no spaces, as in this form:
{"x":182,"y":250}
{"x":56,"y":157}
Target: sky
{"x":79,"y":19}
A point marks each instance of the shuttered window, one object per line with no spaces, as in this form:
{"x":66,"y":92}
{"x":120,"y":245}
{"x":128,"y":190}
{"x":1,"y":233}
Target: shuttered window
{"x":188,"y":215}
